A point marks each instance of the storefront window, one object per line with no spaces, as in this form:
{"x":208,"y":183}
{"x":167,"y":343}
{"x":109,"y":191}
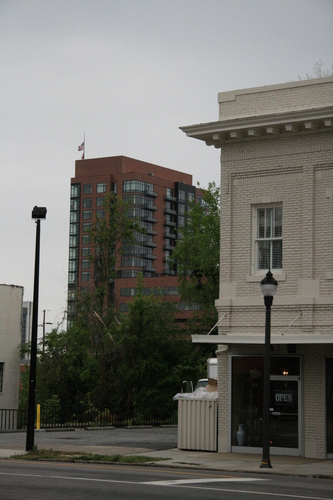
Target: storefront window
{"x":329,"y":404}
{"x":247,"y":401}
{"x":285,"y":365}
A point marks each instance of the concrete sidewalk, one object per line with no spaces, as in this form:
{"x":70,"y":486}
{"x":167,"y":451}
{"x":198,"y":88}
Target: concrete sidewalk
{"x":240,"y":462}
{"x":229,"y":462}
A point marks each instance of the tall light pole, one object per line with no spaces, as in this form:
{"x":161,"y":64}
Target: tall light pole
{"x":268,"y":288}
{"x":38,"y":213}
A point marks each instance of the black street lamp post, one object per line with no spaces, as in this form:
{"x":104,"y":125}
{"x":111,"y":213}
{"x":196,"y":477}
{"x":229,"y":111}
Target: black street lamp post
{"x":38,"y":213}
{"x":268,"y":288}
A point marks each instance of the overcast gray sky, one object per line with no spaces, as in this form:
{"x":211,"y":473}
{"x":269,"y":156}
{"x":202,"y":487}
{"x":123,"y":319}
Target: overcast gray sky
{"x":128,"y":74}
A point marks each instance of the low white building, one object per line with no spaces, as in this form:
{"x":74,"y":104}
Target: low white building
{"x":276,"y":213}
{"x":11,"y":298}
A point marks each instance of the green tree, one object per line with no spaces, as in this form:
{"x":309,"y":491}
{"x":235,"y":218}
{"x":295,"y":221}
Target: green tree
{"x":68,"y":368}
{"x":138,"y":361}
{"x":152,"y":349}
{"x":107,"y":235}
{"x":197,"y":255}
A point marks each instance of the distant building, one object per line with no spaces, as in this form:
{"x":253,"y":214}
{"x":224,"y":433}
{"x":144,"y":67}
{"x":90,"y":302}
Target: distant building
{"x":11,"y":298}
{"x":276,"y":213}
{"x":160,"y":199}
{"x":26,"y":328}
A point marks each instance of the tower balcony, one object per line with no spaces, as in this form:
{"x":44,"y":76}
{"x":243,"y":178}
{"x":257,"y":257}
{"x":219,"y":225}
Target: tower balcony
{"x":170,"y":235}
{"x":169,"y":223}
{"x":169,"y":211}
{"x":152,"y":194}
{"x":170,"y":198}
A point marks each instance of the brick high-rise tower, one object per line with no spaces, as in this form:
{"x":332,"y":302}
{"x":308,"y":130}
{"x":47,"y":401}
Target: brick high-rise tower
{"x":160,"y":197}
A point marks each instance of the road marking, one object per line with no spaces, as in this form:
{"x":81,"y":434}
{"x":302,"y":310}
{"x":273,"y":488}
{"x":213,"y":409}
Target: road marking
{"x":175,"y":482}
{"x":183,"y":483}
{"x":171,"y":482}
{"x":257,"y":493}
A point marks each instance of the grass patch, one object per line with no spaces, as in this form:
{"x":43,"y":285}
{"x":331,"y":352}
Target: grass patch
{"x":61,"y":456}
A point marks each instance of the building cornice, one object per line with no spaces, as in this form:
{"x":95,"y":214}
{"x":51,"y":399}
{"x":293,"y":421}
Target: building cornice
{"x":250,"y":339}
{"x":255,"y":127}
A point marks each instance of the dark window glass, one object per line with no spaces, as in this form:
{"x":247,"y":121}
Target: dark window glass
{"x":86,"y":214}
{"x":75,"y":204}
{"x":87,"y":202}
{"x":86,"y":239}
{"x":2,"y":367}
{"x":329,"y":404}
{"x":101,"y":187}
{"x":75,"y":190}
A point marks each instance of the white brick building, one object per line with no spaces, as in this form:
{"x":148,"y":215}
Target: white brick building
{"x":276,"y":212}
{"x":11,"y":298}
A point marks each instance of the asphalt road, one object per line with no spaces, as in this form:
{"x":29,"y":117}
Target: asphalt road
{"x":111,"y":441}
{"x":55,"y":481}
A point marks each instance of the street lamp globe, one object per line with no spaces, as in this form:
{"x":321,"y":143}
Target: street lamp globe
{"x":268,"y":285}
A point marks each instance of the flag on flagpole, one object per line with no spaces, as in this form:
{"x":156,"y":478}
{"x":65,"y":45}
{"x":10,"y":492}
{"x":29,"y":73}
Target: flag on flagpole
{"x":82,"y":157}
{"x":81,"y":148}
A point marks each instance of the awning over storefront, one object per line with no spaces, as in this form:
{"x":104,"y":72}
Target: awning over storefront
{"x":255,"y":338}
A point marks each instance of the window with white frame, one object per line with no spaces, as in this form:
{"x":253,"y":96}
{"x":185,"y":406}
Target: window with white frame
{"x":268,"y":238}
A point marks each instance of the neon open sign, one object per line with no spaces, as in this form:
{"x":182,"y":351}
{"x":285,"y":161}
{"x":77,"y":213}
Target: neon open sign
{"x":284,"y":397}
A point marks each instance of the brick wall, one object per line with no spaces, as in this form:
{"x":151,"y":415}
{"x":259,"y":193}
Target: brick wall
{"x":294,"y":170}
{"x":258,"y":101}
{"x":314,"y":399}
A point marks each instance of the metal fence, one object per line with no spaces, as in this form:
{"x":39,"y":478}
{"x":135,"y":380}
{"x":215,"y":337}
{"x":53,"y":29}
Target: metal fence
{"x":88,"y":416}
{"x":12,"y":420}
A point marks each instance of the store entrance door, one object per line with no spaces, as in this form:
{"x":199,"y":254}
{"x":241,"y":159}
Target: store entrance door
{"x":285,"y":414}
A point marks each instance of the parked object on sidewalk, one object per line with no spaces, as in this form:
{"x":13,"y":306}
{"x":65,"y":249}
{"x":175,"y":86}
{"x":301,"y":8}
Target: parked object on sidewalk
{"x":197,"y":422}
{"x":209,"y":383}
{"x":212,"y":368}
{"x":187,"y":386}
{"x":208,"y":392}
{"x":203,"y":382}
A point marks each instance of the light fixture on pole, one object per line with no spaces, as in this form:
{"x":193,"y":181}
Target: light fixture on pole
{"x":268,"y":287}
{"x":38,"y":213}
